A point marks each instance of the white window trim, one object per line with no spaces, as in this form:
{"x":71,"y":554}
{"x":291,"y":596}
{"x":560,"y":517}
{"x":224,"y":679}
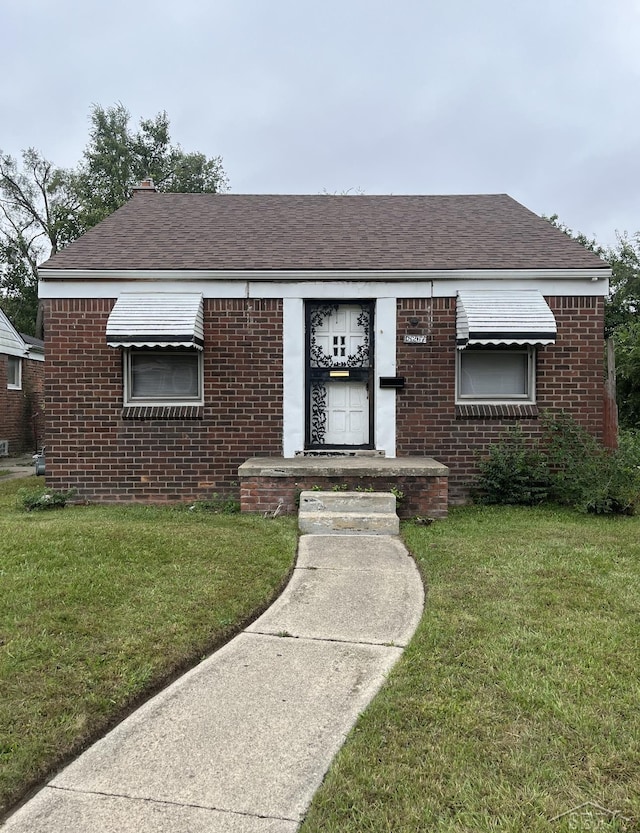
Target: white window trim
{"x":527,"y":399}
{"x":130,"y":401}
{"x":12,"y":385}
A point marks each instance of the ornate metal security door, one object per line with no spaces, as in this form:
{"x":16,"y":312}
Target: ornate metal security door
{"x":339,"y":375}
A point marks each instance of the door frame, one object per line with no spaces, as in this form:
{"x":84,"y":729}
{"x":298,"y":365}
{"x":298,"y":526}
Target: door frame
{"x":356,"y":373}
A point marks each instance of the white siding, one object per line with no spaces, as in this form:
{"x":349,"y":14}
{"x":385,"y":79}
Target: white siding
{"x":10,"y":341}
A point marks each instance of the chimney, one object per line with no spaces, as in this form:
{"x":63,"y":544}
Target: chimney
{"x":145,"y":185}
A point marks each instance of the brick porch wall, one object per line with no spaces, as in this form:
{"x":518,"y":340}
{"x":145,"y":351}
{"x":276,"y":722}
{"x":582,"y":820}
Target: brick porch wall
{"x":570,"y":376}
{"x":92,"y":448}
{"x":421,"y":496}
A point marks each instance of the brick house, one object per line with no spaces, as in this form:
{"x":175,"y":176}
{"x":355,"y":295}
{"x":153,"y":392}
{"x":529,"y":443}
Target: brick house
{"x":256,"y":345}
{"x":21,"y":390}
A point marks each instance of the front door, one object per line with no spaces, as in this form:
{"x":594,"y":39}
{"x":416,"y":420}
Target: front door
{"x":339,"y":346}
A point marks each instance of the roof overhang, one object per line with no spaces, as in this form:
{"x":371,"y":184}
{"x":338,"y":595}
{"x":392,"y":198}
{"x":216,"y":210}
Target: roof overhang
{"x":34,"y":353}
{"x":515,"y":317}
{"x":283,"y":275}
{"x":156,"y":319}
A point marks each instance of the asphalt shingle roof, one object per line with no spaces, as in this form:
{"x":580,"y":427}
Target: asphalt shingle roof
{"x":276,"y":232}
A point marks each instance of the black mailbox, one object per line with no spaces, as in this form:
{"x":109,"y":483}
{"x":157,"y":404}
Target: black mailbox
{"x":392,"y":382}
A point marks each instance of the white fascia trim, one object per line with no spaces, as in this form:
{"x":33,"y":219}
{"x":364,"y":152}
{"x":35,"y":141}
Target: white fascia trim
{"x":306,"y":275}
{"x":354,"y":289}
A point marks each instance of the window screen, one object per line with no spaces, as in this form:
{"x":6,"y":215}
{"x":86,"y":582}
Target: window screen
{"x":494,"y":374}
{"x":164,"y":375}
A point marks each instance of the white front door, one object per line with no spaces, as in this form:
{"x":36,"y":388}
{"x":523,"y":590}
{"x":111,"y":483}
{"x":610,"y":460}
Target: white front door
{"x":339,"y":374}
{"x":347,"y":413}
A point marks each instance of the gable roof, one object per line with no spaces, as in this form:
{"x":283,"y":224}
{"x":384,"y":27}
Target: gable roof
{"x":159,"y":231}
{"x":11,"y":342}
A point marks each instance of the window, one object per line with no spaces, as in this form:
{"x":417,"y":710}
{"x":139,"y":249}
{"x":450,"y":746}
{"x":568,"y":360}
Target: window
{"x":163,"y":376}
{"x":487,"y":374}
{"x":14,"y":373}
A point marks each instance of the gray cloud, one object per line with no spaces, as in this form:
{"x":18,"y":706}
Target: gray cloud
{"x":538,"y":99}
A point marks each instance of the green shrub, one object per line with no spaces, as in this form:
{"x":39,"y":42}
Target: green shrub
{"x":576,"y":459}
{"x":588,"y":476}
{"x":624,"y":474}
{"x":45,"y":499}
{"x":397,"y":493}
{"x":568,"y":466}
{"x":514,"y":472}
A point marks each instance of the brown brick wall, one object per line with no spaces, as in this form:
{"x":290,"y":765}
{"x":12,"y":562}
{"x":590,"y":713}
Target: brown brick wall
{"x":570,"y":376}
{"x":110,"y":456}
{"x":21,"y":415}
{"x":92,"y":448}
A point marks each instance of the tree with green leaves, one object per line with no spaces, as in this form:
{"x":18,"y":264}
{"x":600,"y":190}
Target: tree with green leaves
{"x":588,"y":242}
{"x":627,"y":344}
{"x":43,"y":208}
{"x":117,"y":158}
{"x":623,"y":323}
{"x":624,"y":304}
{"x":38,"y":216}
{"x":622,"y":316}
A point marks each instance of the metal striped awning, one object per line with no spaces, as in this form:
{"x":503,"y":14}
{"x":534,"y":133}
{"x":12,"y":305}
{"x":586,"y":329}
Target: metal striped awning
{"x":503,"y":317}
{"x":156,"y":319}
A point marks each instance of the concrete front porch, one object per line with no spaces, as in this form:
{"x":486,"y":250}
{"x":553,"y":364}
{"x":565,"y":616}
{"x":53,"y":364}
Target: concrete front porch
{"x":273,"y":484}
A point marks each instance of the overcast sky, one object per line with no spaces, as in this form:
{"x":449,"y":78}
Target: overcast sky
{"x":535,"y":98}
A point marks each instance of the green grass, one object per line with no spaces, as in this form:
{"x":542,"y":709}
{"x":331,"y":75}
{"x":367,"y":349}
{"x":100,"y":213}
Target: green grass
{"x":519,"y":696}
{"x":102,"y":605}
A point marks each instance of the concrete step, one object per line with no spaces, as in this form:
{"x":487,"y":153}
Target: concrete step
{"x":348,"y":523}
{"x":348,"y":513}
{"x":366,"y":502}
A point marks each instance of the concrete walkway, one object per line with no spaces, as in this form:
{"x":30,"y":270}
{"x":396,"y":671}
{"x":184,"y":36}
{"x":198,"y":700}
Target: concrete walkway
{"x":22,"y":466}
{"x":241,"y":743}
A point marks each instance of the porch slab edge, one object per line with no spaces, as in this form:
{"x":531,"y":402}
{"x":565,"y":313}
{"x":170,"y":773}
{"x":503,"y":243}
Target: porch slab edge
{"x":339,"y":466}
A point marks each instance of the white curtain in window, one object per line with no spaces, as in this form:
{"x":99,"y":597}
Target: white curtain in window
{"x":493,"y":374}
{"x":164,"y":375}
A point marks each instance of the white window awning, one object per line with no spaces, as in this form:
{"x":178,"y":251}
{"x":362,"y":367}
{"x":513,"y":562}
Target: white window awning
{"x":503,"y":317}
{"x":156,"y":319}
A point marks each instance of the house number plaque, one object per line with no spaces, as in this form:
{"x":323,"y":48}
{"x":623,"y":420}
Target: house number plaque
{"x":415,"y":339}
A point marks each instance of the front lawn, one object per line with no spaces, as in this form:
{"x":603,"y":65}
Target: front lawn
{"x":519,"y":697}
{"x":101,"y":605}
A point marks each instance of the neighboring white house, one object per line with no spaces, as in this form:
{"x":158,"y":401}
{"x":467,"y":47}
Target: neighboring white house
{"x":21,"y":384}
